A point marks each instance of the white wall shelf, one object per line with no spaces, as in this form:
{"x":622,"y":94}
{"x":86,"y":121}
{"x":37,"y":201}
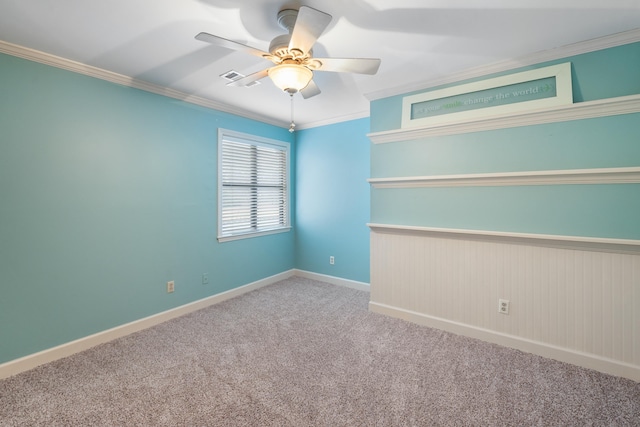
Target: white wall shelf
{"x":581,"y":110}
{"x":626,"y":175}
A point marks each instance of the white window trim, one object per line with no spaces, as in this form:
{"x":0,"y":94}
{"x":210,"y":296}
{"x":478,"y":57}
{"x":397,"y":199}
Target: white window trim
{"x":260,"y":141}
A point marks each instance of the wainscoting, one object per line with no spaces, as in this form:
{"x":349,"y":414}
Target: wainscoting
{"x":571,"y":300}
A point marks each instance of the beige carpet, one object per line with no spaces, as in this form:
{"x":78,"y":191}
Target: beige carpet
{"x":305,"y":353}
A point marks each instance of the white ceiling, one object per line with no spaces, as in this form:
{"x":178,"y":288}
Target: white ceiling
{"x":417,"y":40}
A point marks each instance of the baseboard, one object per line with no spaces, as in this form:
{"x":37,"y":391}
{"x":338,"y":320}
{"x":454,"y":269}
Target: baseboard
{"x":585,"y":360}
{"x":353,"y":284}
{"x":31,"y":361}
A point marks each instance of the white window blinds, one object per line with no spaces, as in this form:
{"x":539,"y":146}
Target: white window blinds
{"x":252,"y":186}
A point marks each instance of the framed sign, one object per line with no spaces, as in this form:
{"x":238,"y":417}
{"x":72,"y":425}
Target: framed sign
{"x":525,"y":91}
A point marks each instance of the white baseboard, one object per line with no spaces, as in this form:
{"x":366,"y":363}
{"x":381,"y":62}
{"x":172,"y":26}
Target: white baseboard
{"x":585,"y":360}
{"x":353,"y":284}
{"x":31,"y":361}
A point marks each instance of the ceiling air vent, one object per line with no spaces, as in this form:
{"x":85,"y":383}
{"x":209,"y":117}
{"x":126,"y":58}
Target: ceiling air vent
{"x":232,"y":75}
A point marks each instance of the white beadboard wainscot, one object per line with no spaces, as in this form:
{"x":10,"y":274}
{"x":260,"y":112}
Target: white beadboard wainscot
{"x":571,"y":299}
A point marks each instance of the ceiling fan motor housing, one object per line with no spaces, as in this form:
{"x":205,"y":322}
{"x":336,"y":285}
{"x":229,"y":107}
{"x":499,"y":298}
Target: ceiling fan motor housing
{"x":279,"y":46}
{"x":287,"y":19}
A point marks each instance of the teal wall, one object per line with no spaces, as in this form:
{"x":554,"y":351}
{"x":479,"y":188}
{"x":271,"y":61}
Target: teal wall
{"x":106,"y":193}
{"x":582,"y":210}
{"x":333,"y":200}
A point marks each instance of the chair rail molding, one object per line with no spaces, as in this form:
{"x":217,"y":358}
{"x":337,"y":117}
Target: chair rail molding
{"x":600,"y":244}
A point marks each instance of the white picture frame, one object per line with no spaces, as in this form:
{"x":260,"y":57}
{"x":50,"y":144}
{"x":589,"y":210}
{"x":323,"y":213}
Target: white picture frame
{"x":514,"y":93}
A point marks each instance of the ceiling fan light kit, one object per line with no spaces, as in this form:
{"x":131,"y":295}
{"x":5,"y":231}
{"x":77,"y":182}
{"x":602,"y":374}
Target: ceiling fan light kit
{"x":292,"y":55}
{"x":290,"y":78}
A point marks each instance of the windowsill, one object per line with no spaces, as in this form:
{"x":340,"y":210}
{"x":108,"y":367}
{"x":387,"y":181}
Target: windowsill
{"x":222,"y":239}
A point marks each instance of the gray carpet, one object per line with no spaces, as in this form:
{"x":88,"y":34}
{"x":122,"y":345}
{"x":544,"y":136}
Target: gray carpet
{"x":306,"y":353}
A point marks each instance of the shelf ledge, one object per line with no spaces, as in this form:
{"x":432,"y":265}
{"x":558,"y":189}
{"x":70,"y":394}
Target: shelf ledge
{"x":582,"y":110}
{"x":625,"y":175}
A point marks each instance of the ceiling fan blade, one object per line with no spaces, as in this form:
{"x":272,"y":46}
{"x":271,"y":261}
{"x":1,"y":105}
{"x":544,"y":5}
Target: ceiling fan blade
{"x":244,"y":81}
{"x":310,"y":23}
{"x":349,"y":65}
{"x":229,"y":44}
{"x":310,"y":90}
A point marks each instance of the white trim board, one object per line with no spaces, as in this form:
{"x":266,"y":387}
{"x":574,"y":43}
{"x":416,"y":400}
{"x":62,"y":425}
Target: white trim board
{"x":339,"y":281}
{"x":16,"y":366}
{"x":582,"y":110}
{"x":549,"y":240}
{"x":590,"y":361}
{"x":600,"y":43}
{"x":625,"y":175}
{"x":333,"y":120}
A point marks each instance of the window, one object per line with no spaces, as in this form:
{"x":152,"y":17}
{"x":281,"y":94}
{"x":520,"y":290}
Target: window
{"x":253,"y":186}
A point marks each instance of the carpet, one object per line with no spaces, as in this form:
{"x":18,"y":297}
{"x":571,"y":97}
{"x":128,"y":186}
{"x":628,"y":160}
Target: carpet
{"x":306,"y":353}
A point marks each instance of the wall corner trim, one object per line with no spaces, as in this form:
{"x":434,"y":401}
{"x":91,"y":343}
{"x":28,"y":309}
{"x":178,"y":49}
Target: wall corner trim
{"x":600,"y":244}
{"x":582,"y":110}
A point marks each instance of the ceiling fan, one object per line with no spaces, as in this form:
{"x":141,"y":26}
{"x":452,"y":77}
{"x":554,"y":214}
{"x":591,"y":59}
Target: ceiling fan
{"x":292,"y":54}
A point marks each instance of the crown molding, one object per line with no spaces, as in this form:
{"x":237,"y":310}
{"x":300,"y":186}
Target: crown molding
{"x":121,"y":79}
{"x":334,"y":120}
{"x":627,"y":37}
{"x":614,"y":40}
{"x":582,"y":110}
{"x":626,"y":175}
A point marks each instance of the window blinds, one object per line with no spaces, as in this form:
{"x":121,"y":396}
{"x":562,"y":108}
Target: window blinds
{"x":253,"y":186}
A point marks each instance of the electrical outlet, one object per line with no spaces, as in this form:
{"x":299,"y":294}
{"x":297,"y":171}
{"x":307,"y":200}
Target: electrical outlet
{"x":332,"y":260}
{"x":170,"y":286}
{"x":205,"y":278}
{"x":503,"y":306}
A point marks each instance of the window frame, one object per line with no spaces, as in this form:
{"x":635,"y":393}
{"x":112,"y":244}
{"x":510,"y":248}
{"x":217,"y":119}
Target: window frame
{"x":257,"y":141}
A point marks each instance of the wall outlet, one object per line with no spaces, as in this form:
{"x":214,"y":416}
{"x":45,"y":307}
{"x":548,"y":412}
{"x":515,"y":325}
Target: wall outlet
{"x":205,"y":278}
{"x":170,"y":286}
{"x":503,"y":306}
{"x":332,"y":260}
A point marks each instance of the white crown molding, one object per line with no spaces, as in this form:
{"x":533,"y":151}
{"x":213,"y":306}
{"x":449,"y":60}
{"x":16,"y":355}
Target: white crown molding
{"x":626,"y":175}
{"x":121,"y":79}
{"x":601,"y":244}
{"x":581,"y":110}
{"x":334,"y":120}
{"x":614,"y":40}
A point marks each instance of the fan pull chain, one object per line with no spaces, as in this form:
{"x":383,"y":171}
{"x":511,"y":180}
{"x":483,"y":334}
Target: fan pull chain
{"x":292,"y":125}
